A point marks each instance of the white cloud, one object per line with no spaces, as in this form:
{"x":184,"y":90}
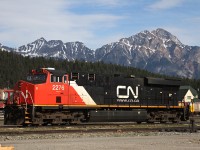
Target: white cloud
{"x":105,"y":3}
{"x":24,"y":21}
{"x":165,"y":4}
{"x":111,"y":3}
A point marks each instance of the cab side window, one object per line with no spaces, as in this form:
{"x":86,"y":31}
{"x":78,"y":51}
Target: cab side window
{"x":65,"y":79}
{"x":56,"y":78}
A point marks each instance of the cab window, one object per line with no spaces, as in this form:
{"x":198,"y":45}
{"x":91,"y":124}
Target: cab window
{"x":37,"y":78}
{"x":56,"y":78}
{"x":65,"y":79}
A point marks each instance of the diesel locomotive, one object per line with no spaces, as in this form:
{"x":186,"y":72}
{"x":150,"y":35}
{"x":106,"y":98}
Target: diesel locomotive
{"x":49,"y":96}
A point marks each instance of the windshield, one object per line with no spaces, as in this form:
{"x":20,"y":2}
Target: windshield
{"x":37,"y":78}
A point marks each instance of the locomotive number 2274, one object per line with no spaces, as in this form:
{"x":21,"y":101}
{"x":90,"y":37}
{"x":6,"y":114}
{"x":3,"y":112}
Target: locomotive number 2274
{"x":58,"y":87}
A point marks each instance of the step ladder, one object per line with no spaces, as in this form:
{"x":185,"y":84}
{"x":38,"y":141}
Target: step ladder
{"x":1,"y":117}
{"x":27,"y":118}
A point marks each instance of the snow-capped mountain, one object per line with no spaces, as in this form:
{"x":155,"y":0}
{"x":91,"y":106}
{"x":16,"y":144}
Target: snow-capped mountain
{"x":157,"y":51}
{"x":57,"y":49}
{"x":5,"y":48}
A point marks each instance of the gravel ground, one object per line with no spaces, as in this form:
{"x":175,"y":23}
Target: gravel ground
{"x":107,"y":141}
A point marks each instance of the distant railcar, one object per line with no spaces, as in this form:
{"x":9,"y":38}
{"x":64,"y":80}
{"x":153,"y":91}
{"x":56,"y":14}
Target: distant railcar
{"x":49,"y":96}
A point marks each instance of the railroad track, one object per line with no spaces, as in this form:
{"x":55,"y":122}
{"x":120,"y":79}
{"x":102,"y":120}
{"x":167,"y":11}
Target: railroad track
{"x":91,"y":128}
{"x":102,"y":124}
{"x":172,"y":129}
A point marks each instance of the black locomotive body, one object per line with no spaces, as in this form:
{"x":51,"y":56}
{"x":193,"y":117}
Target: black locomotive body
{"x":129,"y":98}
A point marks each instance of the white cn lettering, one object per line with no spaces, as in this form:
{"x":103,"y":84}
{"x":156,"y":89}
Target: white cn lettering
{"x":128,"y":89}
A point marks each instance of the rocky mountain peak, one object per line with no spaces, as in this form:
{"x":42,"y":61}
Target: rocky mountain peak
{"x":165,"y":35}
{"x":42,"y":39}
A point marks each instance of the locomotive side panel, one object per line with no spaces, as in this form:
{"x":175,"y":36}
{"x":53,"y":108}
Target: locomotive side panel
{"x":127,"y":91}
{"x":97,"y":94}
{"x":162,"y":92}
{"x":106,"y":90}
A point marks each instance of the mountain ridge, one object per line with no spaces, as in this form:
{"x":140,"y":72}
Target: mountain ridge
{"x":157,"y":51}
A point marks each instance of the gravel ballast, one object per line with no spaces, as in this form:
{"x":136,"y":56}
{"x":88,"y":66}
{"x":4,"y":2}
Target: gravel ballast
{"x":107,"y":141}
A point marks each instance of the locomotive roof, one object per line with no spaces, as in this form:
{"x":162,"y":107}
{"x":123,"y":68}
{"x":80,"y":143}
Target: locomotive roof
{"x":57,"y":72}
{"x":163,"y":81}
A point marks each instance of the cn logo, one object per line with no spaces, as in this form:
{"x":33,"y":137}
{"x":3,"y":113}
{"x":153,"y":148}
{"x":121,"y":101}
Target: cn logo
{"x":128,"y":90}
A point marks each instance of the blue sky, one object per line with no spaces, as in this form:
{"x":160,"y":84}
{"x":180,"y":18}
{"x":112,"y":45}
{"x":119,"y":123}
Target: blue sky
{"x":96,"y":22}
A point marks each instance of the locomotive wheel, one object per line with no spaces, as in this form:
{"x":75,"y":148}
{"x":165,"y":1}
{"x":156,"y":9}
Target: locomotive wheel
{"x":164,"y":118}
{"x":151,"y":118}
{"x":77,"y":118}
{"x":176,"y":120}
